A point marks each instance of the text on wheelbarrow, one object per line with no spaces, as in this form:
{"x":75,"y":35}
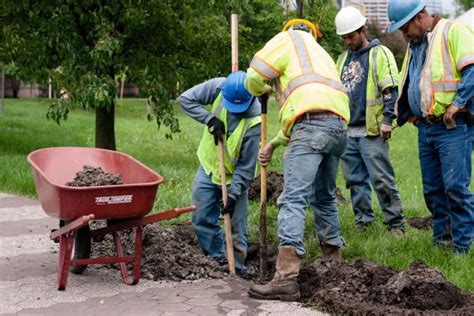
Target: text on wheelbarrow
{"x":117,"y":199}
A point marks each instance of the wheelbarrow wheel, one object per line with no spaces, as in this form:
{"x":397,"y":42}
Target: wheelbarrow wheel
{"x":82,"y":246}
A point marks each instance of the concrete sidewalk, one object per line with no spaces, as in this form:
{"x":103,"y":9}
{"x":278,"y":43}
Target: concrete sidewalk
{"x":28,"y":280}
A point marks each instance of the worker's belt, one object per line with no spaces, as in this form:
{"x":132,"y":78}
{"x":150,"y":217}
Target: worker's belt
{"x":461,"y":118}
{"x":317,"y":115}
{"x":430,"y":120}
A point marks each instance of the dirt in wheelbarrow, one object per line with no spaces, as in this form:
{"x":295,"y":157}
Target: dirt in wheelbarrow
{"x":275,"y":187}
{"x":94,"y":176}
{"x":353,"y":288}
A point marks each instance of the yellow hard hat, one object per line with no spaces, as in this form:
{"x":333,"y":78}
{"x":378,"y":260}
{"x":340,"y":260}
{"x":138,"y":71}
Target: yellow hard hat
{"x":302,"y":24}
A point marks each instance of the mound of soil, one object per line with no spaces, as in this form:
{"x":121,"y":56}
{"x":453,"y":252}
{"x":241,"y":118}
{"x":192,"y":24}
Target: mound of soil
{"x":91,"y":176}
{"x":424,"y":223}
{"x":359,"y":288}
{"x":275,"y":187}
{"x":167,"y":254}
{"x":366,"y":288}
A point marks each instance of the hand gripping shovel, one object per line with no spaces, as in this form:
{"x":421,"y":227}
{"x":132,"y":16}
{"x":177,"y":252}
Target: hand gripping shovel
{"x":227,"y":227}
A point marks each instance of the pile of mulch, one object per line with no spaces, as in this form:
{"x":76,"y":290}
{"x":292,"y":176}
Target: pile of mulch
{"x":424,"y":223}
{"x":166,"y":254}
{"x":366,"y":288}
{"x":94,"y":176}
{"x":275,"y":183}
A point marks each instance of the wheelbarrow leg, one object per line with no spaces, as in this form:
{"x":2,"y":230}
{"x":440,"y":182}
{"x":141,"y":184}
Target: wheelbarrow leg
{"x":137,"y":259}
{"x":138,"y":255}
{"x":65,"y":248}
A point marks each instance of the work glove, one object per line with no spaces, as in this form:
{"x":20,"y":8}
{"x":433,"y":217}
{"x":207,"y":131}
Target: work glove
{"x":264,"y":98}
{"x":229,"y":207}
{"x":216,"y":128}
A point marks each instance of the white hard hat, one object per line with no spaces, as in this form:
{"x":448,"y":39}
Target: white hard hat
{"x":348,"y":20}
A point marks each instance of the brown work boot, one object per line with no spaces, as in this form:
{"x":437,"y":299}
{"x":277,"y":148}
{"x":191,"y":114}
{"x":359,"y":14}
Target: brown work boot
{"x":284,"y":285}
{"x":331,"y":252}
{"x":397,"y":233}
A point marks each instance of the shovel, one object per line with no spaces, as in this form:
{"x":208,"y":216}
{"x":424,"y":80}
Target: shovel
{"x":263,"y":192}
{"x":227,"y":227}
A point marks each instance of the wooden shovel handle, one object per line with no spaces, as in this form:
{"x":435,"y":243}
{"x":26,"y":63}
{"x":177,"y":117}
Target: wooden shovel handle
{"x":227,"y":226}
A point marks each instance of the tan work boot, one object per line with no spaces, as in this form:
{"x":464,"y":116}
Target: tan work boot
{"x":331,"y":252}
{"x":396,"y":233}
{"x":284,"y":285}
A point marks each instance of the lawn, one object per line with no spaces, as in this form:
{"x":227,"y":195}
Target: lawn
{"x":24,"y":128}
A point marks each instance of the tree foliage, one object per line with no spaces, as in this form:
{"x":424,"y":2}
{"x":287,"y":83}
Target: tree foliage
{"x":162,"y":46}
{"x":465,"y":4}
{"x":394,"y":41}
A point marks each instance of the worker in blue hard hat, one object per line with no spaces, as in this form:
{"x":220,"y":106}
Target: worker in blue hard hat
{"x":235,"y":119}
{"x":436,"y":94}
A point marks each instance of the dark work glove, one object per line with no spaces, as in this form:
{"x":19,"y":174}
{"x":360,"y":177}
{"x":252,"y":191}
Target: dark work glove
{"x":229,"y":207}
{"x":263,"y":98}
{"x":216,"y":128}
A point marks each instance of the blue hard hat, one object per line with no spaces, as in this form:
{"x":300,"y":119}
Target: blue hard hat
{"x":236,"y":98}
{"x":402,"y":11}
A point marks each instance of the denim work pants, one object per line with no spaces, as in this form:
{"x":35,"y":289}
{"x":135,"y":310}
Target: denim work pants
{"x":364,"y":162}
{"x":207,"y":197}
{"x":311,"y":161}
{"x":445,"y":159}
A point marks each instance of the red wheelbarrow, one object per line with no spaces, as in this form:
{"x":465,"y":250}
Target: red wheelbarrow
{"x":125,"y":204}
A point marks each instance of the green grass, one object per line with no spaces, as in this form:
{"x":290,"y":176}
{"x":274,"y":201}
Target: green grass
{"x":24,"y":128}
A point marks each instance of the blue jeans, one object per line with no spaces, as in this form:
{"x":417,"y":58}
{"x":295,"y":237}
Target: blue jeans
{"x":364,"y":162}
{"x":311,"y":162}
{"x":207,"y":197}
{"x":445,"y":159}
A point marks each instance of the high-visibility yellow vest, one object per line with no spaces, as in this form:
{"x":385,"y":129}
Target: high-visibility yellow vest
{"x":207,"y":150}
{"x":382,"y":73}
{"x":450,"y":48}
{"x":307,"y":77}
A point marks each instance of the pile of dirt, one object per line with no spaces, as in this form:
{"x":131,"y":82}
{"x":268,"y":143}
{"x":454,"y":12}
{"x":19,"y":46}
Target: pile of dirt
{"x":365,"y":288}
{"x":361,"y":288}
{"x":91,"y":176}
{"x":274,"y":187}
{"x":275,"y":183}
{"x":424,"y":223}
{"x":167,"y":254}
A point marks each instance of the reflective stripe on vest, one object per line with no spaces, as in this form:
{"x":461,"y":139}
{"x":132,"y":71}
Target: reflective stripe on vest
{"x":264,"y":69}
{"x":448,"y":67}
{"x":308,"y":76}
{"x":217,"y":113}
{"x":207,"y":150}
{"x":437,"y":43}
{"x":377,"y":100}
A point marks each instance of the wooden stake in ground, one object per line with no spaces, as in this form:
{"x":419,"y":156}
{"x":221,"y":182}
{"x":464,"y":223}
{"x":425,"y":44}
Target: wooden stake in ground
{"x":220,"y":149}
{"x":263,"y":193}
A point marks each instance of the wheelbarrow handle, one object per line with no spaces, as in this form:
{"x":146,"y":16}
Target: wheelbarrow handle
{"x":74,"y":225}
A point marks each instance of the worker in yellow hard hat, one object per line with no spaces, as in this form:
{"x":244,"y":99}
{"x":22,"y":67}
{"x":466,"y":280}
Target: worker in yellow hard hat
{"x":314,"y":111}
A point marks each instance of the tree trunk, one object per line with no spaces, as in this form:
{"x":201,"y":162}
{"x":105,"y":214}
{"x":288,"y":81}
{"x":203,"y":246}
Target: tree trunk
{"x":105,"y":127}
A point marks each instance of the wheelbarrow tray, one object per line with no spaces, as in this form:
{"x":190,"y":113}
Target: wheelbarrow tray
{"x":54,"y":167}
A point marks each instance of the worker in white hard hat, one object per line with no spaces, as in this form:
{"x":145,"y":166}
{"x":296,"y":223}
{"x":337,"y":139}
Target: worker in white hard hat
{"x":369,"y":72}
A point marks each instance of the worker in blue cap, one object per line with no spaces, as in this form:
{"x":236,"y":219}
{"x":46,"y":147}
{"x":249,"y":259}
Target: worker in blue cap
{"x":234,"y":118}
